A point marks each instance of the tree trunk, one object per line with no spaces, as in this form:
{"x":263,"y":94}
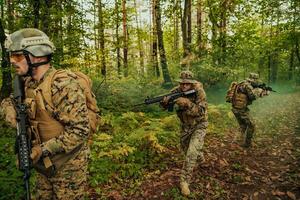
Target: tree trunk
{"x":2,"y":10}
{"x":46,"y":18}
{"x":140,"y":46}
{"x":101,"y":39}
{"x":291,"y":67}
{"x":10,"y":15}
{"x":223,"y":27}
{"x":55,"y":31}
{"x":117,"y":37}
{"x":154,"y":61}
{"x":176,"y":27}
{"x":275,"y":52}
{"x":297,"y":48}
{"x":162,"y":53}
{"x":36,"y":13}
{"x":200,"y":45}
{"x":6,"y":88}
{"x":186,"y":28}
{"x":296,"y":5}
{"x":214,"y":35}
{"x":125,"y":41}
{"x":189,"y":24}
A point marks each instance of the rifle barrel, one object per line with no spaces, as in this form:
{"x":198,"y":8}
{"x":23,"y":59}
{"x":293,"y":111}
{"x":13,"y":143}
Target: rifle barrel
{"x":172,"y":97}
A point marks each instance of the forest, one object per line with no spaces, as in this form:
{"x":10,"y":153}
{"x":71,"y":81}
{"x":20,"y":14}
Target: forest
{"x":134,"y":49}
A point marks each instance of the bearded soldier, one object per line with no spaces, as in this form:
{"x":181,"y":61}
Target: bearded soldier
{"x":240,"y":95}
{"x":58,"y":131}
{"x":192,"y":112}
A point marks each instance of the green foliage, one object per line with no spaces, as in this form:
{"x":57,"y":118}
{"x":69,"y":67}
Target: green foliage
{"x":137,"y":143}
{"x":210,"y":75}
{"x":174,"y":193}
{"x":121,"y":95}
{"x":132,"y":144}
{"x":10,"y":177}
{"x":217,"y":114}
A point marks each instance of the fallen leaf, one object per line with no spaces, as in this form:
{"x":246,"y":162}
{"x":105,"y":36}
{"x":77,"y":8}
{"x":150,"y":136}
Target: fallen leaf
{"x":115,"y":195}
{"x":271,"y":163}
{"x":248,"y":178}
{"x":208,"y":186}
{"x":278,"y":193}
{"x":291,"y":195}
{"x":223,"y":163}
{"x":245,"y":196}
{"x":273,"y":178}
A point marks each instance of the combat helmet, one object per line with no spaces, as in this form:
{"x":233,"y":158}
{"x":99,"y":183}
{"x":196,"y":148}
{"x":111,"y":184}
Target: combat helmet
{"x":30,"y":40}
{"x":186,"y":77}
{"x":253,"y":77}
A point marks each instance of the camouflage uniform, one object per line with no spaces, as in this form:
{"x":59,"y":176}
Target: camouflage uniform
{"x":243,"y":96}
{"x":193,"y":128}
{"x":69,"y":181}
{"x":58,"y":132}
{"x":71,"y":111}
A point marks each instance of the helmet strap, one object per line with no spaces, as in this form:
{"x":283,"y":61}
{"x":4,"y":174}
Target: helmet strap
{"x":34,"y":65}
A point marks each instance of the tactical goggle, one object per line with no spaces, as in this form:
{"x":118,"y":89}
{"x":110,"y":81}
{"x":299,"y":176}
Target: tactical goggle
{"x":16,"y":56}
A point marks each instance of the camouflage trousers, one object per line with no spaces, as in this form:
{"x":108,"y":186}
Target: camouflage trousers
{"x":70,"y":182}
{"x":245,"y":123}
{"x":192,"y":140}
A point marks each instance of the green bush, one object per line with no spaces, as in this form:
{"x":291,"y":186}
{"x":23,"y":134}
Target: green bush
{"x":137,"y":143}
{"x":121,"y":95}
{"x":10,"y":178}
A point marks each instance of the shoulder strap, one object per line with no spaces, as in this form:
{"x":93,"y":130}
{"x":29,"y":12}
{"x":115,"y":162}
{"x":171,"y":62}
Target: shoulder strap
{"x":45,"y":86}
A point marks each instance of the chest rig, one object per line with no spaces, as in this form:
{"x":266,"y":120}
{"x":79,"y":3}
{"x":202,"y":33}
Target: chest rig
{"x":189,"y":120}
{"x":240,"y":99}
{"x":43,"y":126}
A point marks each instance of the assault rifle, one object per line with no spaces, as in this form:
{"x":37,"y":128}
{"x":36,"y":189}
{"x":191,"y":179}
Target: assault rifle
{"x":170,"y":96}
{"x":263,"y":86}
{"x":23,"y":144}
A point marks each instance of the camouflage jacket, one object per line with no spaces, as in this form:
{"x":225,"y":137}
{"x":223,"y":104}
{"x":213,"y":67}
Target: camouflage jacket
{"x":197,"y":111}
{"x":244,"y":95}
{"x":70,"y":111}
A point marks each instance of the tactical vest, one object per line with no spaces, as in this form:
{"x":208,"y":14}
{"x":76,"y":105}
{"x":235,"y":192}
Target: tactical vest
{"x":44,"y":127}
{"x":239,"y":100}
{"x":84,"y":82}
{"x":185,"y":117}
{"x":231,"y":91}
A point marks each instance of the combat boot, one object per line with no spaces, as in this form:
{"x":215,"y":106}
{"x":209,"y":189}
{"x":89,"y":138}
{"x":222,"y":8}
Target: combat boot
{"x":184,"y":187}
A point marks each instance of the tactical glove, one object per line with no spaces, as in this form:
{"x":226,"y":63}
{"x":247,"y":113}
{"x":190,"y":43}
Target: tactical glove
{"x":183,"y":102}
{"x":36,"y":153}
{"x":9,"y":112}
{"x":165,"y":101}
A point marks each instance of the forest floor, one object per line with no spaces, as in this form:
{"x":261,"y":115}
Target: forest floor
{"x":270,"y":169}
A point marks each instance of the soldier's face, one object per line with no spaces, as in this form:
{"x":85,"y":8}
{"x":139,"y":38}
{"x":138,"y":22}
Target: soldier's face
{"x":185,"y":87}
{"x":19,"y":62}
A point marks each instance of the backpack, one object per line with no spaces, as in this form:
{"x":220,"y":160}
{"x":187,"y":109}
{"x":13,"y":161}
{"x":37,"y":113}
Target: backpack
{"x":85,"y":83}
{"x":231,"y":92}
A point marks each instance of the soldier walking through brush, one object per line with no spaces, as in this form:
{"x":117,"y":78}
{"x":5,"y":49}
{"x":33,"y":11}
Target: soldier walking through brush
{"x":192,"y":112}
{"x":241,"y":95}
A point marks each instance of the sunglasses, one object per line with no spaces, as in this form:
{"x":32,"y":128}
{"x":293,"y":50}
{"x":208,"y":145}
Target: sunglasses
{"x":16,"y":56}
